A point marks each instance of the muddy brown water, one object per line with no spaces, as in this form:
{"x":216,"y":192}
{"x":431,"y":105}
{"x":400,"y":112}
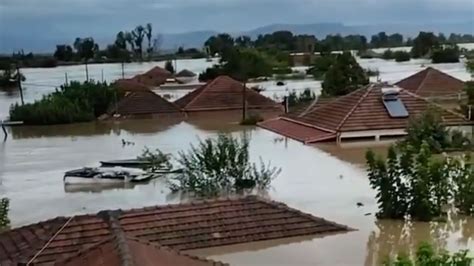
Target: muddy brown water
{"x":325,"y":180}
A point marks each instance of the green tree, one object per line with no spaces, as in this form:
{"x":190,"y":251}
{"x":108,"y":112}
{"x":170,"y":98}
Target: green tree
{"x":128,"y":36}
{"x":344,"y":76}
{"x":86,"y":49}
{"x":447,"y":54}
{"x":243,"y":41}
{"x":9,"y":74}
{"x":121,"y":40}
{"x":64,"y":52}
{"x":220,"y":165}
{"x":470,"y":66}
{"x":138,"y":35}
{"x":219,"y":43}
{"x":401,"y":56}
{"x":169,"y":66}
{"x":304,"y":97}
{"x":423,"y":44}
{"x":149,"y":34}
{"x":4,"y":208}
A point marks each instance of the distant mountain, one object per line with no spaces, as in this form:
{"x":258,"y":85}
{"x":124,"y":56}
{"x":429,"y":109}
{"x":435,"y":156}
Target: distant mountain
{"x":46,"y":42}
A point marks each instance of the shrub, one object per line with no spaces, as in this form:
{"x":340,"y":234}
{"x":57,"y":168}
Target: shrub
{"x":76,"y":102}
{"x":446,"y":55}
{"x":388,"y":55}
{"x":251,"y":120}
{"x":306,"y":96}
{"x":218,"y":166}
{"x":157,"y":160}
{"x":401,"y":56}
{"x":4,"y":208}
{"x":426,"y":256}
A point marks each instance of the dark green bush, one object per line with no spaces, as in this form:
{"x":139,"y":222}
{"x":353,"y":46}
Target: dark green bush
{"x":76,"y":102}
{"x":446,"y":55}
{"x":401,"y":56}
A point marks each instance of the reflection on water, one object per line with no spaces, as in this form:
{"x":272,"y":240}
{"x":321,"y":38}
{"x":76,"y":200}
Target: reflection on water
{"x":33,"y":162}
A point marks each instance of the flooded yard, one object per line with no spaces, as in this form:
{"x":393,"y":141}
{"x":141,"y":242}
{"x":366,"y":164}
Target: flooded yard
{"x":324,"y":180}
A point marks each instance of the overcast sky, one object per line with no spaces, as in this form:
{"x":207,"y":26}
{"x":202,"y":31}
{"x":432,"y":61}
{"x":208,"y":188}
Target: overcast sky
{"x":100,"y":16}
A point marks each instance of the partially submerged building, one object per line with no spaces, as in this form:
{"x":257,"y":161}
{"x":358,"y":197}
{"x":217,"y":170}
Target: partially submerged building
{"x":374,"y":112}
{"x":129,"y":85}
{"x":145,"y":104}
{"x":224,"y":96}
{"x":159,"y":235}
{"x":434,"y":84}
{"x":185,"y":76}
{"x":154,"y":77}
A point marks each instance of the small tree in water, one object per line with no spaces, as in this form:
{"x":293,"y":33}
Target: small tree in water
{"x":157,"y":160}
{"x":414,"y":185}
{"x":4,"y":207}
{"x":220,"y":165}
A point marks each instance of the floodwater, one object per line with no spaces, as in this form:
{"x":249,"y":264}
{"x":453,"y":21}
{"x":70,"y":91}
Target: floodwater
{"x":324,"y":180}
{"x":41,"y":81}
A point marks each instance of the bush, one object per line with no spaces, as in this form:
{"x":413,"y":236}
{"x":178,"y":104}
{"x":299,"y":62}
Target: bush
{"x":412,"y":184}
{"x":304,"y":97}
{"x":388,"y":55}
{"x":4,"y":208}
{"x":76,"y":102}
{"x":251,"y":120}
{"x":218,"y":166}
{"x":344,"y":76}
{"x":446,"y":55}
{"x":426,"y":256}
{"x":401,"y":56}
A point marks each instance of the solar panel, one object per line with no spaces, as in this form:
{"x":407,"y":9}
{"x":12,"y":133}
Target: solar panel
{"x":395,"y":107}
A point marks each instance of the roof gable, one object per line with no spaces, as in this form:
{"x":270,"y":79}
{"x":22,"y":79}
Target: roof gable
{"x":144,"y":102}
{"x":431,"y":82}
{"x":223,"y":93}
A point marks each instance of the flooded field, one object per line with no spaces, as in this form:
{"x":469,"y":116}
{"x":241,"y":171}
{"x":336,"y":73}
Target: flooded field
{"x":324,"y":180}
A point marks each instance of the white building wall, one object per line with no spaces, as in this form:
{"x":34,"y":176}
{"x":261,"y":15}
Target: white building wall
{"x":376,"y":134}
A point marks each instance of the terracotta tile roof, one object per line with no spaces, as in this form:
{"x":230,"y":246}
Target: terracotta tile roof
{"x":295,"y":130}
{"x":179,"y":227}
{"x":154,"y":77}
{"x":223,"y":93}
{"x":360,"y":110}
{"x":432,"y":83}
{"x":130,"y":85}
{"x":185,"y":73}
{"x":144,"y":102}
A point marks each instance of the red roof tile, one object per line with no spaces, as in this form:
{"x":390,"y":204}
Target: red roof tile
{"x":144,"y":102}
{"x":154,"y":77}
{"x":223,"y":93}
{"x":432,"y":83}
{"x":180,"y":227}
{"x":360,"y":110}
{"x":295,"y":130}
{"x":130,"y":85}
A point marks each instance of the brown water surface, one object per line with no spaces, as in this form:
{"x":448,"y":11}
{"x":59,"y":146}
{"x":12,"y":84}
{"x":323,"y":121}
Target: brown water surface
{"x":325,"y":180}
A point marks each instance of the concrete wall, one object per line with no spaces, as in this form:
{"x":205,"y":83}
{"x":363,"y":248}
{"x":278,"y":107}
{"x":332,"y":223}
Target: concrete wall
{"x":375,"y":134}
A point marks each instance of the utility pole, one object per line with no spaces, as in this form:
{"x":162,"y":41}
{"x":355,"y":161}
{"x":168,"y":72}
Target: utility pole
{"x":65,"y":78}
{"x":123,"y":71}
{"x":18,"y":74}
{"x":102,"y":75}
{"x":244,"y":102}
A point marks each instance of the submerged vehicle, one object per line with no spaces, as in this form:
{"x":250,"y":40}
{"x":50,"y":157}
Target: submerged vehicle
{"x":89,"y":175}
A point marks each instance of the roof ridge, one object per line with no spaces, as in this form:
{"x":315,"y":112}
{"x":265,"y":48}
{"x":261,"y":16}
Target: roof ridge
{"x":307,"y":125}
{"x":369,"y":89}
{"x":414,"y":74}
{"x":202,"y":89}
{"x":429,"y":71}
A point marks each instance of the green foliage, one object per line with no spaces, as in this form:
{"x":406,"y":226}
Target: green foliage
{"x":423,"y":44}
{"x":220,"y":165}
{"x":449,"y":54}
{"x":401,"y":56}
{"x":86,"y":48}
{"x":76,"y":102}
{"x":157,"y":160}
{"x":251,"y":120}
{"x":372,"y":72}
{"x":220,"y":43}
{"x":344,"y":76}
{"x":464,"y":186}
{"x":321,"y":65}
{"x":4,"y":208}
{"x":470,"y":92}
{"x":428,"y":128}
{"x":412,"y":184}
{"x":9,"y":74}
{"x":169,"y":66}
{"x":470,"y":66}
{"x":304,"y":97}
{"x":383,"y":40}
{"x":64,"y":52}
{"x":388,"y":55}
{"x":427,"y":256}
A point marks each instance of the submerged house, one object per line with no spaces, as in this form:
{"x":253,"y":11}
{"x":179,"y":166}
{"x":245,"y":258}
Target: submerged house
{"x":224,"y":96}
{"x":434,"y":84}
{"x":154,"y":77}
{"x":185,"y":76}
{"x":374,"y":112}
{"x":159,"y":235}
{"x":145,"y":103}
{"x":129,"y":85}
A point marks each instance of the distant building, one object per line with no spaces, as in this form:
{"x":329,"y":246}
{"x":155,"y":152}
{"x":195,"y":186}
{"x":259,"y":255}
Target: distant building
{"x":224,"y":96}
{"x":432,"y":83}
{"x":373,"y":112}
{"x":306,"y":43}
